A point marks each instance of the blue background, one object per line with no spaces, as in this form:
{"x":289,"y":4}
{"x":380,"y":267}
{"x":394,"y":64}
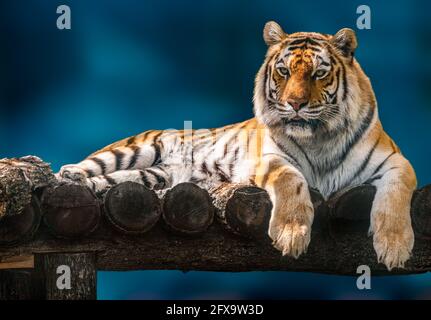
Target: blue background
{"x":127,"y":66}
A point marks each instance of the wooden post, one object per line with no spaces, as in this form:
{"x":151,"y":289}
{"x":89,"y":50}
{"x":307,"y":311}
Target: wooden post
{"x":20,"y":284}
{"x":68,"y":276}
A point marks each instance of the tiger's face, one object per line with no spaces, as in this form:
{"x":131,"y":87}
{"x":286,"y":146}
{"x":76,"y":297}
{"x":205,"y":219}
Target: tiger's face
{"x":307,"y":82}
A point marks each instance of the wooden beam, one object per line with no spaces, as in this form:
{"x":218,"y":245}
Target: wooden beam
{"x":124,"y":231}
{"x":25,"y":261}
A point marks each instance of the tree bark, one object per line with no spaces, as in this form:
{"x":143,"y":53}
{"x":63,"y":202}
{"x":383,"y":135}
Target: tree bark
{"x":19,"y":177}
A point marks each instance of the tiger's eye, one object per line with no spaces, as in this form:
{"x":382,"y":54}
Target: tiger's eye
{"x":319,"y":73}
{"x":283,"y":71}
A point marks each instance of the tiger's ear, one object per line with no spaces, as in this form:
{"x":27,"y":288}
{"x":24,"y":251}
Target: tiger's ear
{"x":272,"y":33}
{"x":345,"y":41}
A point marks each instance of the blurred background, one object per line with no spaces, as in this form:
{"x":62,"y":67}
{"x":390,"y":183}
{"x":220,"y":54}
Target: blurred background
{"x":128,"y":66}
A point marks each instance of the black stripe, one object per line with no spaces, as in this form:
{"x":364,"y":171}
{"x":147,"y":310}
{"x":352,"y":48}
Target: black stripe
{"x":195,"y":180}
{"x":205,"y":170}
{"x":334,"y":59}
{"x":130,"y":141}
{"x":144,"y":178}
{"x":110,"y":180}
{"x":379,"y":176}
{"x":365,"y":162}
{"x":303,"y":36}
{"x":222,"y":176}
{"x":303,"y":151}
{"x":265,"y":79}
{"x":297,"y":47}
{"x":345,"y":85}
{"x":156,"y":154}
{"x":304,"y":46}
{"x":298,"y":41}
{"x":267,"y":70}
{"x":136,"y":151}
{"x":90,"y":173}
{"x":160,"y":180}
{"x":354,"y":140}
{"x":337,"y":77}
{"x":313,"y":42}
{"x":306,"y":40}
{"x":233,"y":160}
{"x":100,"y":163}
{"x":145,"y":134}
{"x":281,"y":147}
{"x":119,"y":156}
{"x":371,"y":180}
{"x":380,"y":166}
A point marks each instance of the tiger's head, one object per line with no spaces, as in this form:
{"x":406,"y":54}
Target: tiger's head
{"x":310,"y":84}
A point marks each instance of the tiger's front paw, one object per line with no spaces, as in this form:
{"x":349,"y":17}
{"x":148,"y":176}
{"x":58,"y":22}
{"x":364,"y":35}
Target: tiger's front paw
{"x":291,"y":232}
{"x":393,"y":247}
{"x":72,"y":173}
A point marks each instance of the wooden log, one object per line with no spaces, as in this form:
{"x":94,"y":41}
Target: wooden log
{"x":342,"y":252}
{"x":68,"y":276}
{"x":316,"y":198}
{"x":70,"y":210}
{"x":242,"y":209}
{"x":187,"y":209}
{"x":349,"y":210}
{"x":15,"y":229}
{"x":216,"y":250}
{"x":421,"y":207}
{"x":19,"y":177}
{"x":132,"y":208}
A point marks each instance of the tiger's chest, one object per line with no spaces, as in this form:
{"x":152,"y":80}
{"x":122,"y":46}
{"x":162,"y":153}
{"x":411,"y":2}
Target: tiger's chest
{"x":327,"y":168}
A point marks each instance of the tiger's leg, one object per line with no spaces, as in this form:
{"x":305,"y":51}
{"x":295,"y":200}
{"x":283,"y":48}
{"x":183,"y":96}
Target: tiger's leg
{"x":390,"y":225}
{"x":107,"y":162}
{"x":157,"y":177}
{"x":292,"y":214}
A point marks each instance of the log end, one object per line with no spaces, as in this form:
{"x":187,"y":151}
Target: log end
{"x":132,"y":208}
{"x":70,"y":210}
{"x":187,"y":209}
{"x":350,"y":210}
{"x":421,"y":212}
{"x":248,"y":212}
{"x":19,"y":228}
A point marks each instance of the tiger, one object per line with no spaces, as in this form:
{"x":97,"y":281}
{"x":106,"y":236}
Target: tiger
{"x":315,"y":125}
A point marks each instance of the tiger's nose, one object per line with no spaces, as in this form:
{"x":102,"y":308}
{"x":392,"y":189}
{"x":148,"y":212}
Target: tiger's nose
{"x":297,"y":103}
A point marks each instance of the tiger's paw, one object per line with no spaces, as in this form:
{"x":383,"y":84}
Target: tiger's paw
{"x":291,"y":232}
{"x":72,"y":173}
{"x":393,"y":248}
{"x":292,"y":239}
